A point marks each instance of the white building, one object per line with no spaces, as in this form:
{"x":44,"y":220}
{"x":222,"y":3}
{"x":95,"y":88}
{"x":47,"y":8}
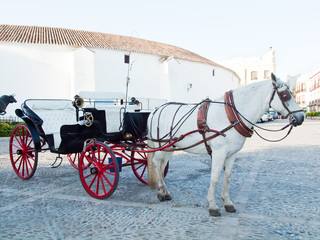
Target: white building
{"x":307,"y":90}
{"x":314,"y":102}
{"x":45,"y":62}
{"x":302,"y":90}
{"x":252,"y":69}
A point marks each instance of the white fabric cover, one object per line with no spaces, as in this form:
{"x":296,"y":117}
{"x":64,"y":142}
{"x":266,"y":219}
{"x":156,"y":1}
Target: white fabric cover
{"x":54,"y":114}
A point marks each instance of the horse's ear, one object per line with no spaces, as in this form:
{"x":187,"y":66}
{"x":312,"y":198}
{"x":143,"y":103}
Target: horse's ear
{"x":273,"y":78}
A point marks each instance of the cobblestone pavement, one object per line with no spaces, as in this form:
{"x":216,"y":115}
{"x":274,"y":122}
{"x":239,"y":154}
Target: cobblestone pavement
{"x":275,"y":188}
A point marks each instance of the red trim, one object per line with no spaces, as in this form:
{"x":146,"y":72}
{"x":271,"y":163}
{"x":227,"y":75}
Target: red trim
{"x":314,"y":75}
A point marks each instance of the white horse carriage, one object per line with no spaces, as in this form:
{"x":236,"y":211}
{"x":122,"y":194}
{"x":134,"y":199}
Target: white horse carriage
{"x":100,"y":139}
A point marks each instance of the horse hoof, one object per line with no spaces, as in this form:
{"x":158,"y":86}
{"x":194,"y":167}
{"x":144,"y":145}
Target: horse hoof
{"x":214,"y":212}
{"x":168,"y":197}
{"x":230,"y":208}
{"x":162,"y":198}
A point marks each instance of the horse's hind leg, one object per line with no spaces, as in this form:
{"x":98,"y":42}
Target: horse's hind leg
{"x":228,"y":164}
{"x":160,"y":161}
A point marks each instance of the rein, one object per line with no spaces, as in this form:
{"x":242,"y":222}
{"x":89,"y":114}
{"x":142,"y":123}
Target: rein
{"x":269,"y":130}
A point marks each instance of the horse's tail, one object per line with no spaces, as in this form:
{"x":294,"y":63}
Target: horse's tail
{"x":152,"y":176}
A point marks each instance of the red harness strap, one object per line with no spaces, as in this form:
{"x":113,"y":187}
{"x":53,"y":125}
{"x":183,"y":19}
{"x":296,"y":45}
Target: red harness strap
{"x":202,"y":122}
{"x":234,"y":117}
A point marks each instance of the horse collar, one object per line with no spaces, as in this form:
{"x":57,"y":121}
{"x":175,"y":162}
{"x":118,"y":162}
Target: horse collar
{"x":234,"y":117}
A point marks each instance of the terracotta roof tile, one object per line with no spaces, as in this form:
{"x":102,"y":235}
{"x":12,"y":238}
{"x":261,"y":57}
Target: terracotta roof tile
{"x":62,"y":36}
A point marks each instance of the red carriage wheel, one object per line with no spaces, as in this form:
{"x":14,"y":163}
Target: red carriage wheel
{"x":74,"y":159}
{"x":24,"y":157}
{"x":99,"y":170}
{"x":139,"y":164}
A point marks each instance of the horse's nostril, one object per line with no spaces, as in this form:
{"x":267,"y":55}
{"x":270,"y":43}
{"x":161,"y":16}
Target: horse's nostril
{"x":296,"y":119}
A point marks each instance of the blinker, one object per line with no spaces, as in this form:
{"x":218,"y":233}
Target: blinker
{"x":284,"y":95}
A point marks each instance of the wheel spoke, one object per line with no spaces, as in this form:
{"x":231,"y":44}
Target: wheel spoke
{"x":18,"y":159}
{"x":19,"y":142}
{"x":27,"y":144}
{"x":94,"y":178}
{"x":21,"y":161}
{"x":14,"y":145}
{"x":144,"y":169}
{"x":104,"y":158}
{"x":90,"y":174}
{"x":109,"y":173}
{"x":103,"y":187}
{"x":141,"y":165}
{"x":23,"y":165}
{"x":97,"y":191}
{"x":30,"y":156}
{"x":29,"y":162}
{"x":26,"y":165}
{"x":91,"y":160}
{"x":110,"y":184}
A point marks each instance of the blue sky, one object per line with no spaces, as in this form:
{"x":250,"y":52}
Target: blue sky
{"x":213,"y":29}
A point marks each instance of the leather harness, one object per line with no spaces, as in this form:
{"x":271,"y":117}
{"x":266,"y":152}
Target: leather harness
{"x":234,"y":117}
{"x":202,"y":122}
{"x":203,"y":128}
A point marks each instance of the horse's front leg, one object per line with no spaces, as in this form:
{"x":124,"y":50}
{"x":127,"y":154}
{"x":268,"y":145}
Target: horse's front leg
{"x":217,"y":163}
{"x":228,"y":164}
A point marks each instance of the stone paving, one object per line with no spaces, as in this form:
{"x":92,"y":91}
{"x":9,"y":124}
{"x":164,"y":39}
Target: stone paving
{"x":275,"y":188}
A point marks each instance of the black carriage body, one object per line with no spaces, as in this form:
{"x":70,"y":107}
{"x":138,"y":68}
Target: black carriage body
{"x":135,"y":125}
{"x":132,"y":127}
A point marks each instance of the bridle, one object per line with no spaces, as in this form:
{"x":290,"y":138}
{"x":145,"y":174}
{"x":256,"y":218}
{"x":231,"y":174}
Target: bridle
{"x":284,"y":96}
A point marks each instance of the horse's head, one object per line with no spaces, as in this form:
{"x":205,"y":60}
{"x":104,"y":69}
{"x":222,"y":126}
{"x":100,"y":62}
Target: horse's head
{"x":283,"y":102}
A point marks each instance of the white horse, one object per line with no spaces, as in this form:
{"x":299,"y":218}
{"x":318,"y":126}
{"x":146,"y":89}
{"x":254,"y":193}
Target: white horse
{"x":171,"y":121}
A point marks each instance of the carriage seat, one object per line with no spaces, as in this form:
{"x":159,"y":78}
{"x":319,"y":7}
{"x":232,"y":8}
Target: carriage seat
{"x":54,"y":114}
{"x":114,"y":116}
{"x":113,"y":113}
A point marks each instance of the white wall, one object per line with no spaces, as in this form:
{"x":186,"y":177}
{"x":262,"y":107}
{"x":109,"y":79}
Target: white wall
{"x":151,"y":77}
{"x":34,"y":71}
{"x":48,"y":71}
{"x":192,"y":82}
{"x":83,"y":78}
{"x":148,"y":77}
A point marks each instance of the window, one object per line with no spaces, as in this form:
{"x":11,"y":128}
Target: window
{"x":126,"y":59}
{"x":266,"y":74}
{"x":254,"y":75}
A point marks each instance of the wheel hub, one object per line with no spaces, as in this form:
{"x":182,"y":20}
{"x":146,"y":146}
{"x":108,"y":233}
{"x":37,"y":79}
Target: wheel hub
{"x":94,"y":170}
{"x":19,"y":151}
